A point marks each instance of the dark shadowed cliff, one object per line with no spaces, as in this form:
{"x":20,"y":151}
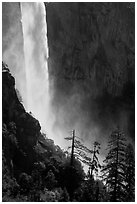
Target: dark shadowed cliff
{"x":91,"y":62}
{"x":18,"y":125}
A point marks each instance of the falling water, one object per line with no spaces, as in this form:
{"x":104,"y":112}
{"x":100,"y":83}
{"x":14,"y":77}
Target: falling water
{"x":36,"y":55}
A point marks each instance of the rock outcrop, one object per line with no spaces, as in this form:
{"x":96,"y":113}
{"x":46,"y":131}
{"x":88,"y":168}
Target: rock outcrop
{"x":20,"y":129}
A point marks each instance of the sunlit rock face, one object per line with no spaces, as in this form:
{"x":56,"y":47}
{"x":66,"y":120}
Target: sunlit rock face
{"x":91,"y":61}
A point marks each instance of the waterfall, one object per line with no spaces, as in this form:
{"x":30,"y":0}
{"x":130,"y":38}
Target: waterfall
{"x":33,"y":18}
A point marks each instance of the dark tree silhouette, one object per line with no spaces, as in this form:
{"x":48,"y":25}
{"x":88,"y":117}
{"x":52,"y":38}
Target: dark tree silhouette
{"x":94,"y":165}
{"x":89,"y":188}
{"x":114,"y":168}
{"x":84,"y":154}
{"x":130,"y":174}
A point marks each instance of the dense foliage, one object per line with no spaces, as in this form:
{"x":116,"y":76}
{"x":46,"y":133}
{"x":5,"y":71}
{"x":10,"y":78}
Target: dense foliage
{"x":130,"y":173}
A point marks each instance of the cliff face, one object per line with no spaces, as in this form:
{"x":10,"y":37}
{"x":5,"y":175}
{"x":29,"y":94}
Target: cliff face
{"x":93,"y":41}
{"x":20,"y":129}
{"x":91,"y":52}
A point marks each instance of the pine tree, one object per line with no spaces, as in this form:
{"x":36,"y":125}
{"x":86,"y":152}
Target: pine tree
{"x":84,"y":154}
{"x":113,"y":170}
{"x":94,"y":165}
{"x":130,"y":174}
{"x":90,"y":158}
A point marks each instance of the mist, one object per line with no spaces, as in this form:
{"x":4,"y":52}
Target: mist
{"x":12,"y":45}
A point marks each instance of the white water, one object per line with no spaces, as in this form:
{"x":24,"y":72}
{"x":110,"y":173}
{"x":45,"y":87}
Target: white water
{"x":36,"y":55}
